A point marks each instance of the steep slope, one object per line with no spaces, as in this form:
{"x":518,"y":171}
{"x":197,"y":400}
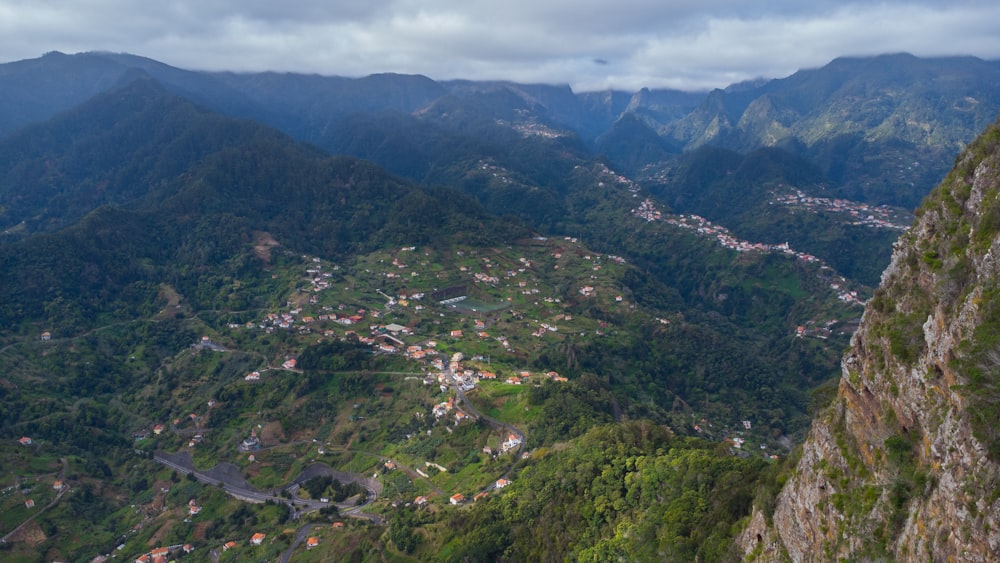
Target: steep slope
{"x":774,"y":196}
{"x":115,"y":149}
{"x":882,"y":127}
{"x":35,"y":90}
{"x":139,"y":188}
{"x":904,"y":465}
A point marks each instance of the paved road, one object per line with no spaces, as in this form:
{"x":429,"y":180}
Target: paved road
{"x":502,"y":427}
{"x":237,"y":490}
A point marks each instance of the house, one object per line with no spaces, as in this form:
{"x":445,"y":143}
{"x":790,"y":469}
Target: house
{"x":188,"y":548}
{"x":338,"y":524}
{"x":46,"y":336}
{"x":257,"y":538}
{"x":501,"y":483}
{"x":457,"y":498}
{"x":160,"y":553}
{"x":144,"y":558}
{"x":29,"y":503}
{"x":480,"y":496}
{"x":510,"y":443}
{"x":159,"y":428}
{"x":252,"y":376}
{"x":420,"y":501}
{"x":456,"y":334}
{"x":58,"y":485}
{"x":25,"y":441}
{"x":228,"y":545}
{"x":312,"y":542}
{"x":290,"y":363}
{"x":252,"y":442}
{"x":389,"y":465}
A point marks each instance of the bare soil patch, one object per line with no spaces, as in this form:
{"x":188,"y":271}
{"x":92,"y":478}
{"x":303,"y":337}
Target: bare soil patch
{"x":262,"y":245}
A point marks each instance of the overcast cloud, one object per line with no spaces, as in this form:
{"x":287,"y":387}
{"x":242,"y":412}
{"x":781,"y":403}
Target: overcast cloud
{"x":589,"y":44}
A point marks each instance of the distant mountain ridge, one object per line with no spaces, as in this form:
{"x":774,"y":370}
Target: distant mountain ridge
{"x":690,"y":288}
{"x":882,"y":128}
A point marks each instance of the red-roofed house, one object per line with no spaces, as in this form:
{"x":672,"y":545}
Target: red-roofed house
{"x":25,"y":441}
{"x":312,"y":542}
{"x":457,"y":498}
{"x":257,"y":538}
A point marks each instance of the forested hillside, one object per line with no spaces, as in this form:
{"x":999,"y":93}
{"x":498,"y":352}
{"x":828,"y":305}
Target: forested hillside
{"x":414,"y":320}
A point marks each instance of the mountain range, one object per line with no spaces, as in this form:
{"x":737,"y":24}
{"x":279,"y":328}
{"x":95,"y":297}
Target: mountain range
{"x":705,"y":256}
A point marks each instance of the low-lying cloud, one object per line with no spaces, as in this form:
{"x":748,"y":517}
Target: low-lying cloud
{"x":588,"y":44}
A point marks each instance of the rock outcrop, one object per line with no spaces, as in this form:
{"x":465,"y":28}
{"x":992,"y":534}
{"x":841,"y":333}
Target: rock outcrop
{"x":905,"y":465}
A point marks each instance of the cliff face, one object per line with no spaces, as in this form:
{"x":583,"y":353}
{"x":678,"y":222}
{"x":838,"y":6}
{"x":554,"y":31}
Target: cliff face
{"x":905,"y":465}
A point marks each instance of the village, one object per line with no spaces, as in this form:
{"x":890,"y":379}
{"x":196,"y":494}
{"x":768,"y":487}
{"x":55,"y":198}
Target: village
{"x":876,"y":216}
{"x":648,"y":211}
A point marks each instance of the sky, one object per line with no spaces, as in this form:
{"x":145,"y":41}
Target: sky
{"x":588,"y":44}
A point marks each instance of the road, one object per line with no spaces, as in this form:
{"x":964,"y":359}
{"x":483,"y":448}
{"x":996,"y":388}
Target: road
{"x":238,"y":490}
{"x":501,"y":427}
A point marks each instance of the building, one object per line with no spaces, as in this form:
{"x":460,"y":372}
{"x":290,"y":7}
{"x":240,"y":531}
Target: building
{"x":457,"y":498}
{"x":312,"y":542}
{"x":257,"y":538}
{"x":29,"y":503}
{"x":25,"y":441}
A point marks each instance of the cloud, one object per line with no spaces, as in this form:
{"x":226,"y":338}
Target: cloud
{"x":686,"y":45}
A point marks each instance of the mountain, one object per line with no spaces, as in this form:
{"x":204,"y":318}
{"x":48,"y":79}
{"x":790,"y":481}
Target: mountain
{"x":188,"y":270}
{"x":631,"y":144}
{"x":882,"y":128}
{"x":138,"y":186}
{"x":905,"y":462}
{"x":775,"y":196}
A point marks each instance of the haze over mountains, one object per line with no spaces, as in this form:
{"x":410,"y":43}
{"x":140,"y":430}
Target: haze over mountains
{"x":877,"y":127}
{"x":691,"y":265}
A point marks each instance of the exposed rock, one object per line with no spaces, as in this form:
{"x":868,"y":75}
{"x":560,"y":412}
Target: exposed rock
{"x":904,"y":464}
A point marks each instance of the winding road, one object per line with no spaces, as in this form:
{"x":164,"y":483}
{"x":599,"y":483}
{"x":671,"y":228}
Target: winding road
{"x":237,"y":487}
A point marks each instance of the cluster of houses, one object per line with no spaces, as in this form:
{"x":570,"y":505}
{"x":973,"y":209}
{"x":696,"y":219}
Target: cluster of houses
{"x":878,"y":216}
{"x":458,"y":499}
{"x":705,"y":227}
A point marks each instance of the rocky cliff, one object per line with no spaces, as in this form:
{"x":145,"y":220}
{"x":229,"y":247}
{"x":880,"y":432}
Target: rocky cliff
{"x":905,"y":465}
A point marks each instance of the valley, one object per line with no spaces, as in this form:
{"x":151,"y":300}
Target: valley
{"x":390,"y":318}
